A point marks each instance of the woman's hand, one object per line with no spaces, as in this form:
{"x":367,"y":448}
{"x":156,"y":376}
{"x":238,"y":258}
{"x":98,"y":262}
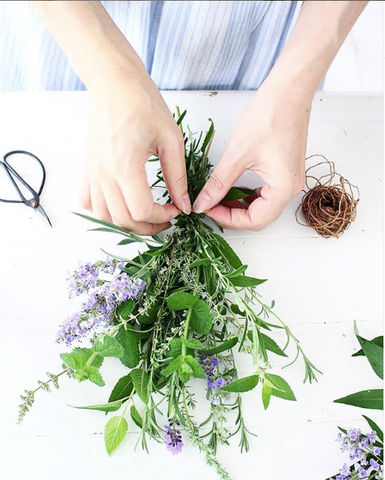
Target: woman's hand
{"x":269,"y":138}
{"x":130,"y":122}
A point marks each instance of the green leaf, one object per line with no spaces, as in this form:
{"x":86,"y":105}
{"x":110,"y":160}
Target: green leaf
{"x":235,"y":273}
{"x":103,"y":407}
{"x":151,"y":315}
{"x":272,"y":346}
{"x":196,"y":367}
{"x":201,"y":261}
{"x":181,"y":301}
{"x":237,"y":193}
{"x":125,"y":309}
{"x":94,"y":376}
{"x":245,"y":281}
{"x":173,"y":366}
{"x":266,"y":395}
{"x":107,"y":346}
{"x":185,"y":372}
{"x":208,"y":136}
{"x":122,"y":389}
{"x":227,"y":345}
{"x":175,"y":348}
{"x":244,"y":384}
{"x":377,"y":341}
{"x":192,"y":343}
{"x":375,"y":427}
{"x":114,"y":432}
{"x":130,"y":342}
{"x":374,"y":354}
{"x":136,"y":416}
{"x":74,"y":360}
{"x":127,"y":241}
{"x":140,"y":381}
{"x":227,"y":251}
{"x":201,"y":319}
{"x":87,"y":352}
{"x":279,"y":387}
{"x":373,"y":399}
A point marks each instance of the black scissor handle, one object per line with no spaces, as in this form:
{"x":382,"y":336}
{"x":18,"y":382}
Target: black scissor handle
{"x":12,"y":174}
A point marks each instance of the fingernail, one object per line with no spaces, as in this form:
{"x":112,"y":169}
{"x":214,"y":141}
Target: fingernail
{"x":186,"y":204}
{"x":202,"y":203}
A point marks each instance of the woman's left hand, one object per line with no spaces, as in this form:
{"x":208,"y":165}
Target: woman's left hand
{"x":269,"y":138}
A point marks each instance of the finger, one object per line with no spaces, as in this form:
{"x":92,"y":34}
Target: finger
{"x":85,"y":194}
{"x":219,"y":183}
{"x":121,"y":216}
{"x":261,"y":212}
{"x":173,"y":165}
{"x":99,"y":206}
{"x":138,"y":198}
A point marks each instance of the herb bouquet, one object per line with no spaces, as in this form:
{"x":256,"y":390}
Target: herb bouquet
{"x":177,"y":311}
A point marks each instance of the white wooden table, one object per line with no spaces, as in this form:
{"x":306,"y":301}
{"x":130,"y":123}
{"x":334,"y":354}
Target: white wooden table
{"x":320,"y":287}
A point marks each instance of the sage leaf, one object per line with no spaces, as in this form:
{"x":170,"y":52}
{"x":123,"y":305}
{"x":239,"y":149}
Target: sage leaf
{"x":107,"y":346}
{"x":374,"y":354}
{"x":181,"y":301}
{"x":279,"y":387}
{"x":136,"y":417}
{"x":266,"y":395}
{"x":244,"y":384}
{"x":130,"y":342}
{"x":226,"y":251}
{"x":192,"y":343}
{"x":201,"y":319}
{"x":245,"y":281}
{"x":74,"y":360}
{"x":237,"y":193}
{"x":122,"y":389}
{"x":377,"y":341}
{"x":140,"y":381}
{"x":372,"y":399}
{"x":173,"y":366}
{"x":226,"y":345}
{"x":196,"y":367}
{"x":201,"y":261}
{"x":103,"y":407}
{"x":114,"y":433}
{"x":375,"y":427}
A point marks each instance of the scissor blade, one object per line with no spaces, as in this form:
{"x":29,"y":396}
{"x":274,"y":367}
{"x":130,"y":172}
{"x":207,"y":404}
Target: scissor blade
{"x":40,"y":211}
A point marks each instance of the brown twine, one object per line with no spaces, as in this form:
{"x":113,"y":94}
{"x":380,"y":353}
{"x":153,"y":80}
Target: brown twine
{"x":329,"y":206}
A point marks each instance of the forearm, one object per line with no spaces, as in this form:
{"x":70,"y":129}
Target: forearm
{"x":321,"y":29}
{"x":90,"y":39}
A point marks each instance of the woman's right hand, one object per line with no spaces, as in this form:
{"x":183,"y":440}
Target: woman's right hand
{"x":130,"y":122}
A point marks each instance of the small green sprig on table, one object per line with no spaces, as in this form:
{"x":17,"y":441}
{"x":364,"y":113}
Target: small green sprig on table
{"x":179,"y":310}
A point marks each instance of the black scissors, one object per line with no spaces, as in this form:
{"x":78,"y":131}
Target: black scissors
{"x":33,"y":202}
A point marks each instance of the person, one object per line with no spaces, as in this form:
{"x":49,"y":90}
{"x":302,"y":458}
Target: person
{"x":280,"y":49}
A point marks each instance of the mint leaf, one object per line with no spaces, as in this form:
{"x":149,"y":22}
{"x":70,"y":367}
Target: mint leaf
{"x":266,"y":395}
{"x":94,"y":376}
{"x":122,"y":389}
{"x":375,"y":427}
{"x":227,"y":345}
{"x":87,"y":352}
{"x":279,"y":387}
{"x":244,"y":384}
{"x":181,"y":301}
{"x":107,"y":346}
{"x":192,"y":343}
{"x":201,"y":319}
{"x":126,"y":308}
{"x":140,"y":381}
{"x":373,"y":399}
{"x":114,"y":433}
{"x":173,"y":366}
{"x":103,"y":407}
{"x":196,"y":367}
{"x":130,"y":342}
{"x":374,"y":354}
{"x":136,"y":417}
{"x":245,"y":281}
{"x":269,"y":344}
{"x":175,"y":348}
{"x":74,"y":360}
{"x":185,"y":372}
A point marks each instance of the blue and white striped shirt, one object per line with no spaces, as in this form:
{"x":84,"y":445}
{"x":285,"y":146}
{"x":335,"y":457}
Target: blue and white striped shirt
{"x":214,"y":45}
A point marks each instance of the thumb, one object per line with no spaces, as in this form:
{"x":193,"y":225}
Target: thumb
{"x":174,"y":172}
{"x":217,"y":186}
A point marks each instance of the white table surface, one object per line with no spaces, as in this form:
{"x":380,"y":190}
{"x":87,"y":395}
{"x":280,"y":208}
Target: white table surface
{"x":320,"y":287}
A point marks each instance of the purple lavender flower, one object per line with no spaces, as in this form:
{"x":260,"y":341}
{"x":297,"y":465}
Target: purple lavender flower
{"x":104,"y":296}
{"x":354,"y":434}
{"x":173,"y":437}
{"x":372,"y":436}
{"x":219,"y":382}
{"x":375,"y":465}
{"x":377,"y":451}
